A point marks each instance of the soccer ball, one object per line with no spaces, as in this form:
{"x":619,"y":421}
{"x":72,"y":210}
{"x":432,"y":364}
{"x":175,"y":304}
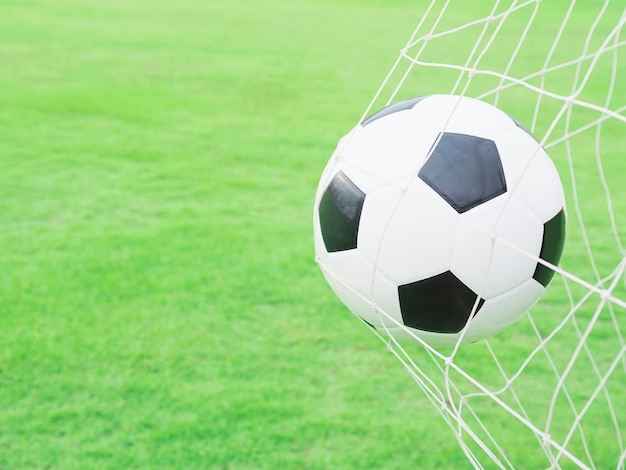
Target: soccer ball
{"x":433,"y":216}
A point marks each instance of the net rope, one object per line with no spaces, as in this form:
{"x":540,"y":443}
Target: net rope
{"x":550,"y":391}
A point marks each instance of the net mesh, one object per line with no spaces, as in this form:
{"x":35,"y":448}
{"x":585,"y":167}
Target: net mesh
{"x":549,"y":392}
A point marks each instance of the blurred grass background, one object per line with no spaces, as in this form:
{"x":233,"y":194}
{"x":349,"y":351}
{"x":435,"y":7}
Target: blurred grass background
{"x":159,"y":302}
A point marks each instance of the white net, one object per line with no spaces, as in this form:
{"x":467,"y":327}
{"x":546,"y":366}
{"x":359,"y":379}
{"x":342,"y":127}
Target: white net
{"x":549,"y":392}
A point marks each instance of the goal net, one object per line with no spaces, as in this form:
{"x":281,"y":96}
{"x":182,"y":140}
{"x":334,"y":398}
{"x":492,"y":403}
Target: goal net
{"x":550,"y":391}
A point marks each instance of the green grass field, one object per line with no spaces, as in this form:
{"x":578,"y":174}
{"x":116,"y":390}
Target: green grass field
{"x":160,"y":306}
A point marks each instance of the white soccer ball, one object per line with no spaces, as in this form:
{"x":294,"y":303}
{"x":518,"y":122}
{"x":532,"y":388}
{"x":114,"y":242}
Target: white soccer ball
{"x":432,"y":218}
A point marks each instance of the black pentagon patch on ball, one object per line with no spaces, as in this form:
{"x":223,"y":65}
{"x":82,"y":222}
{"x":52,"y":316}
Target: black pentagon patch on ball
{"x":392,"y":108}
{"x":551,"y":248}
{"x":340,"y":212}
{"x":440,"y":304}
{"x":464,"y":170}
